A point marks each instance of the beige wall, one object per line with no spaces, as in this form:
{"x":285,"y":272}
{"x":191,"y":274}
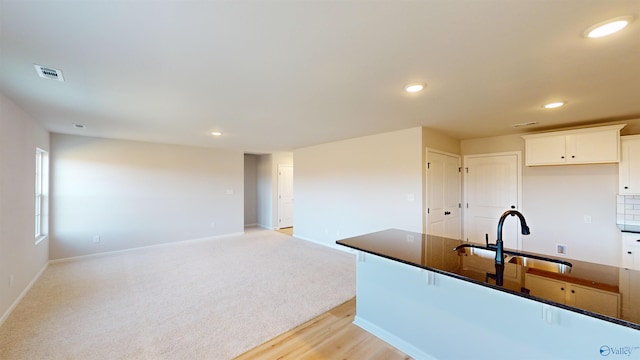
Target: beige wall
{"x":436,"y":140}
{"x":20,"y":258}
{"x":555,"y":200}
{"x":360,"y":185}
{"x":135,"y":194}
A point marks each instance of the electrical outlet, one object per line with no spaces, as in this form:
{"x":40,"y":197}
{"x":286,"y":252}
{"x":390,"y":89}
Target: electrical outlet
{"x":561,"y":249}
{"x":96,"y":238}
{"x":213,"y":225}
{"x":587,"y":219}
{"x":11,"y":280}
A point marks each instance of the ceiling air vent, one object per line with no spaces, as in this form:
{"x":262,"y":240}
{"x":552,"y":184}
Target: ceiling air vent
{"x":49,"y":73}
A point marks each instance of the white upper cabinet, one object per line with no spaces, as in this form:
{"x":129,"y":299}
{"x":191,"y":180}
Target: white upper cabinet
{"x":580,"y":146}
{"x":630,"y":165}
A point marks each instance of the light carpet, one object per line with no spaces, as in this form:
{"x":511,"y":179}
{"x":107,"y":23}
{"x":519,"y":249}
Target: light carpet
{"x":210,"y":299}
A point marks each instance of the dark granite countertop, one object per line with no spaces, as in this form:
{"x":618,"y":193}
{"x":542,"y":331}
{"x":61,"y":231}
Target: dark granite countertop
{"x":629,"y":228}
{"x":476,"y":264}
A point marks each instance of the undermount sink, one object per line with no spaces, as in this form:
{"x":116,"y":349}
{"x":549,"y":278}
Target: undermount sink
{"x":512,"y":257}
{"x":549,"y":265}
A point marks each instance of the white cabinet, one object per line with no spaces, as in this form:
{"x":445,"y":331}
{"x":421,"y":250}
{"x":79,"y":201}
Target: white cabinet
{"x":630,"y":165}
{"x":584,"y":297}
{"x":581,"y":146}
{"x":631,"y":250}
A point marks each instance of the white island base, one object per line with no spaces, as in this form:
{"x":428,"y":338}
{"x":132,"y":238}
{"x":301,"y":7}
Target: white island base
{"x":428,"y":315}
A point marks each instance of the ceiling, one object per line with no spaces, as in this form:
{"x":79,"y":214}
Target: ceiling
{"x":280,"y":75}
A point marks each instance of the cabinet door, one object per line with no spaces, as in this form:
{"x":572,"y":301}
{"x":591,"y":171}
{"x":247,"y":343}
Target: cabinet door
{"x":550,"y":289}
{"x":593,"y":147}
{"x":545,"y":150}
{"x":595,"y":300}
{"x":631,"y":250}
{"x":628,"y":257}
{"x":630,"y":166}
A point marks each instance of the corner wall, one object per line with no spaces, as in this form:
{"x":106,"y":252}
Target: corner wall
{"x":133,"y":194}
{"x":21,"y":260}
{"x":361,"y":185}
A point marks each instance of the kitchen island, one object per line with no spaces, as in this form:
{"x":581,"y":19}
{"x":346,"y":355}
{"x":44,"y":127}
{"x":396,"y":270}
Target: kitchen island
{"x":418,"y":294}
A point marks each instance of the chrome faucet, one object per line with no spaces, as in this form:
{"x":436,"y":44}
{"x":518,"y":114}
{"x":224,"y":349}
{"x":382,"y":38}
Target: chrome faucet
{"x":499,"y":243}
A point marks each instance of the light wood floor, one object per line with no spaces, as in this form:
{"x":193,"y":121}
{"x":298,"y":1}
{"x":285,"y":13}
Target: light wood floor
{"x":286,"y":231}
{"x":329,"y":336}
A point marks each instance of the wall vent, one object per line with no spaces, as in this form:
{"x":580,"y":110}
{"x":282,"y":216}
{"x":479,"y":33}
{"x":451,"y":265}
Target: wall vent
{"x":49,"y":73}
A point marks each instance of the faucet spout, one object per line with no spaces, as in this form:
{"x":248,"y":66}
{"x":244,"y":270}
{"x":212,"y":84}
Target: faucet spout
{"x":499,"y":243}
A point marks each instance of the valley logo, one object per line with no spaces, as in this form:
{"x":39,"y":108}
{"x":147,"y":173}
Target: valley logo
{"x":619,"y":350}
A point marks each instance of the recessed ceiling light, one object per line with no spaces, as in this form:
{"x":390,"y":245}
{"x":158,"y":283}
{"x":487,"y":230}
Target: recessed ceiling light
{"x":216,"y":133}
{"x":554,"y":105}
{"x":608,"y":27}
{"x":415,"y":87}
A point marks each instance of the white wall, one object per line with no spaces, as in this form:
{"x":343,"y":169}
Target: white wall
{"x":136,"y":194}
{"x":250,"y":190}
{"x":20,"y":257}
{"x":555,"y":200}
{"x":265,"y":196}
{"x":357,"y":186}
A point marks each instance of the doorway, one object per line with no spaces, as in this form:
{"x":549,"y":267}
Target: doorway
{"x":443,"y":194}
{"x":285,"y":196}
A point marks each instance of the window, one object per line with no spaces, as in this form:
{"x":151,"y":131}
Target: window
{"x":41,"y":192}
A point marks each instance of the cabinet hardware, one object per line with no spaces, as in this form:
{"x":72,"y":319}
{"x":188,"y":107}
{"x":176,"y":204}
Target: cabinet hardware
{"x":562,"y":288}
{"x":573,"y":291}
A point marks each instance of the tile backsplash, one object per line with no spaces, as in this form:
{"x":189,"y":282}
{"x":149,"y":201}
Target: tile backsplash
{"x":628,"y":209}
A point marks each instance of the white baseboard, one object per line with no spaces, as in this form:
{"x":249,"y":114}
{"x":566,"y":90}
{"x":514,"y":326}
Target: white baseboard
{"x":24,"y":292}
{"x":330,"y":245}
{"x":391,"y":339}
{"x":173,"y":243}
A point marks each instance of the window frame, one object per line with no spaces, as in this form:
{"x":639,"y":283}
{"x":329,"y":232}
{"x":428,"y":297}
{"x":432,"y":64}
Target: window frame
{"x":41,"y":223}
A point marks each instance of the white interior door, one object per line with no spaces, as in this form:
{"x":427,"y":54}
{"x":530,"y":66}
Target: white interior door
{"x":285,"y":196}
{"x":492,"y":186}
{"x":443,"y":194}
